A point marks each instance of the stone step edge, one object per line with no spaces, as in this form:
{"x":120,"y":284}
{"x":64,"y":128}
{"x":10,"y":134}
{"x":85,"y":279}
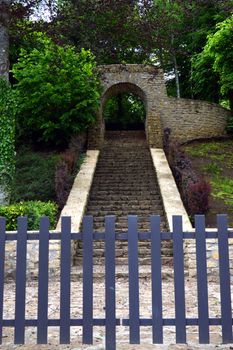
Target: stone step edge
{"x":170,"y":195}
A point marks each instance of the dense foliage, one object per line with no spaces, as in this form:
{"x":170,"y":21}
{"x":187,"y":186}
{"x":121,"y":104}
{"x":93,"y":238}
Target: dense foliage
{"x":124,"y":111}
{"x":168,"y":33}
{"x":7,"y":135}
{"x":34,"y":210}
{"x":216,"y":62}
{"x":161,"y":32}
{"x":57,"y":91}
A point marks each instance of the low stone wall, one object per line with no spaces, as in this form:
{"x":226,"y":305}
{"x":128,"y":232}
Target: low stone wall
{"x":192,"y":119}
{"x":77,"y":200}
{"x":172,"y":202}
{"x":32,"y":257}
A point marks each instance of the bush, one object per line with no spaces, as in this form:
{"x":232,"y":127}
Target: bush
{"x":198,"y":197}
{"x":34,"y":210}
{"x":7,"y":136}
{"x":193,"y":188}
{"x":57,"y":91}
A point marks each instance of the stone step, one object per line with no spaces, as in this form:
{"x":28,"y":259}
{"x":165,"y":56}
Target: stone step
{"x":120,"y":197}
{"x":99,"y":227}
{"x":125,"y":183}
{"x":168,"y":261}
{"x":144,"y":203}
{"x":122,"y":251}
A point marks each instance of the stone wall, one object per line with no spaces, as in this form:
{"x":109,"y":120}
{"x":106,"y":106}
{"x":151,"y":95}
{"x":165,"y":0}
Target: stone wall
{"x":192,"y":119}
{"x":32,"y":257}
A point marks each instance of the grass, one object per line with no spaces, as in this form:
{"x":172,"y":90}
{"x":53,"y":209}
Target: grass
{"x":201,"y":150}
{"x":34,"y":177}
{"x":218,"y":159}
{"x":222,"y":188}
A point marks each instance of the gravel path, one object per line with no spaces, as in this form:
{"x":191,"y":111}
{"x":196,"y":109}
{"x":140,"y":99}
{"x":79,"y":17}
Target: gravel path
{"x":122,"y":312}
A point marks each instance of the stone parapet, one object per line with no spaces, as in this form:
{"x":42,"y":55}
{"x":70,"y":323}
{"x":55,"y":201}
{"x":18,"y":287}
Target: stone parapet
{"x":77,"y":200}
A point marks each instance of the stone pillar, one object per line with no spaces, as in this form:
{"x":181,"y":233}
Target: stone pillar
{"x":154,"y":131}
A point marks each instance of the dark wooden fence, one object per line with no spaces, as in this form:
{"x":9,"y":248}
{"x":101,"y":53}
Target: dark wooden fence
{"x":134,"y":322}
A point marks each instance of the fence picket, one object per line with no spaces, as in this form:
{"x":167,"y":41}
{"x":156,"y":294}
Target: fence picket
{"x":2,"y":263}
{"x":43,"y":282}
{"x":202,"y":289}
{"x":110,"y":287}
{"x":224,"y":274}
{"x":179,"y":279}
{"x":134,"y":322}
{"x":88,"y":280}
{"x":20,"y":291}
{"x":156,"y":275}
{"x":65,"y":280}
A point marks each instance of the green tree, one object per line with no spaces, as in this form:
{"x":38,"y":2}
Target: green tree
{"x":57,"y":91}
{"x":109,"y":28}
{"x":216,"y":62}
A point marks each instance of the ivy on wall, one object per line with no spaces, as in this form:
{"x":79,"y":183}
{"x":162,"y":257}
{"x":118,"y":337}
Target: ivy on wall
{"x":7,"y":139}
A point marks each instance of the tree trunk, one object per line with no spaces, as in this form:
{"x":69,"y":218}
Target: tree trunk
{"x":176,"y":71}
{"x":4,"y":38}
{"x":176,"y":76}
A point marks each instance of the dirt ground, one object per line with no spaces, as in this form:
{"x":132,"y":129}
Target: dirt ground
{"x":121,"y":312}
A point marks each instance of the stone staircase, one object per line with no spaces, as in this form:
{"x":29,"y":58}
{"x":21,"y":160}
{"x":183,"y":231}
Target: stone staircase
{"x":125,"y":183}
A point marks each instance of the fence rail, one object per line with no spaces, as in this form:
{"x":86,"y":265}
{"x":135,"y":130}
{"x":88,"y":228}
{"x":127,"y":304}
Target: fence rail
{"x":134,"y":322}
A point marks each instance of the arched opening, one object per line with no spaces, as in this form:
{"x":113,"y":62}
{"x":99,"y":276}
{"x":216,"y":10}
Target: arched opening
{"x":124,"y":107}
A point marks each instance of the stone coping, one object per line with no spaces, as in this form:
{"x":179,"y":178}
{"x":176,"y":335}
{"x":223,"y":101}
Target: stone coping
{"x":78,"y":197}
{"x":131,"y":68}
{"x":172,"y":202}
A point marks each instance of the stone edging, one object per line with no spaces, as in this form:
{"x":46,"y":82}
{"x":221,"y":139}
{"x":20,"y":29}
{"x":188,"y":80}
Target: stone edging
{"x":172,"y":202}
{"x":77,"y":200}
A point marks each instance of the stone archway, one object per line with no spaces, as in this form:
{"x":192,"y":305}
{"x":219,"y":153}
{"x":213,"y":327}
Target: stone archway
{"x":147,"y":82}
{"x":123,"y":88}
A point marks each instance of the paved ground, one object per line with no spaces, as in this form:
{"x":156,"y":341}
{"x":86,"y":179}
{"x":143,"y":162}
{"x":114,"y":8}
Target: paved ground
{"x":122,"y":312}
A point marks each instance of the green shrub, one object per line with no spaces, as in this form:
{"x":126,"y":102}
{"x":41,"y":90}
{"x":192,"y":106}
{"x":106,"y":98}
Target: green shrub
{"x":7,"y":135}
{"x":34,"y":210}
{"x":57,"y":91}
